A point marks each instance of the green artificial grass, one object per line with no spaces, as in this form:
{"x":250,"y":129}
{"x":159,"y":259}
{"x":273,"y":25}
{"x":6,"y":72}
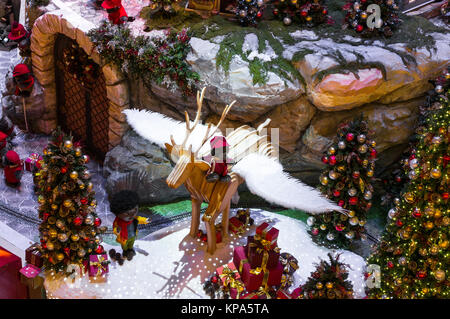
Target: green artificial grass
{"x":171,"y":209}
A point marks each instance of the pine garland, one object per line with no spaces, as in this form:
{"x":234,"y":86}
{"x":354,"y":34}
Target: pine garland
{"x":161,"y":59}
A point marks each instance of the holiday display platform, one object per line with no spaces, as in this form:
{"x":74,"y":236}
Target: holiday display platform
{"x":177,"y":265}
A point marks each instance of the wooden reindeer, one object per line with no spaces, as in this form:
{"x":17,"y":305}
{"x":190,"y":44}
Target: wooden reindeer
{"x":255,"y":159}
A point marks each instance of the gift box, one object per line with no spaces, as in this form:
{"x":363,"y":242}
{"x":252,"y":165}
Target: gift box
{"x":289,"y":262}
{"x":32,"y":162}
{"x":98,"y":266}
{"x":32,"y":277}
{"x":264,"y":231}
{"x":236,"y":226}
{"x":260,"y":294}
{"x":257,"y":253}
{"x":33,"y":256}
{"x":254,"y":278}
{"x":230,"y":278}
{"x":10,"y":284}
{"x":297,"y":293}
{"x":244,"y":216}
{"x":282,"y":294}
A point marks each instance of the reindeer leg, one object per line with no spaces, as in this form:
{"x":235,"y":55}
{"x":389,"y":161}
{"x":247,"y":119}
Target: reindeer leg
{"x":211,"y":233}
{"x":225,"y":219}
{"x":195,"y":219}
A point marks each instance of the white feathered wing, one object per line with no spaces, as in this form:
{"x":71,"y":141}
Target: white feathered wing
{"x":265,"y":177}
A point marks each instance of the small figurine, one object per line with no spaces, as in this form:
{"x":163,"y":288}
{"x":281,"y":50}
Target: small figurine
{"x":124,"y":205}
{"x":23,"y":79}
{"x":116,"y":12}
{"x":13,"y":168}
{"x":218,"y":160}
{"x":18,"y":33}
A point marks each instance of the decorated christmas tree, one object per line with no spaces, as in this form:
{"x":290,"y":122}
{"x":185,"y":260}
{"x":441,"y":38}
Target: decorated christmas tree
{"x":346,"y":180}
{"x":310,"y":13}
{"x":372,"y":17}
{"x":69,"y":231}
{"x":249,"y":12}
{"x":329,"y":281}
{"x":413,"y":253}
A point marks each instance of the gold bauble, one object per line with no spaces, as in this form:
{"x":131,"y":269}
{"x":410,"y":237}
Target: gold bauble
{"x":323,"y":180}
{"x":409,"y":197}
{"x":68,"y":144}
{"x":78,"y":151}
{"x":59,"y":256}
{"x":50,"y":245}
{"x":354,"y":221}
{"x":319,"y":285}
{"x":435,"y":173}
{"x":81,"y":186}
{"x":308,"y":18}
{"x":54,"y":206}
{"x":67,"y":203}
{"x":444,"y":244}
{"x":90,"y":186}
{"x":429,"y":211}
{"x":434,"y":249}
{"x":439,"y":275}
{"x":369,"y":173}
{"x":365,"y":163}
{"x":74,"y":175}
{"x":41,"y":199}
{"x":429,"y":225}
{"x":323,"y":226}
{"x":351,"y":213}
{"x":74,"y":237}
{"x":437,"y":213}
{"x":329,"y":285}
{"x":52,"y":233}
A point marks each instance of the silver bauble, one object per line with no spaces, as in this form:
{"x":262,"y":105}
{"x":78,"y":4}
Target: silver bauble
{"x":310,"y":221}
{"x":341,"y":145}
{"x":287,"y":21}
{"x":330,"y":236}
{"x":413,"y":163}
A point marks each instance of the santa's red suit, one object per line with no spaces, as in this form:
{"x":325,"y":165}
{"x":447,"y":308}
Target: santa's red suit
{"x":13,"y":168}
{"x":116,"y":11}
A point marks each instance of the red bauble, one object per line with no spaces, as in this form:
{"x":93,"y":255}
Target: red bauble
{"x":373,"y":153}
{"x":339,"y":227}
{"x":353,"y":200}
{"x":44,"y":245}
{"x":214,"y":279}
{"x":259,"y":14}
{"x":77,"y":221}
{"x":204,"y":238}
{"x":398,"y":179}
{"x":336,"y":193}
{"x":445,"y":195}
{"x":67,"y":250}
{"x":359,"y":28}
{"x":349,"y":137}
{"x":356,"y":174}
{"x":99,"y":249}
{"x":416,"y":213}
{"x":325,"y":11}
{"x":97,"y":222}
{"x":341,"y":203}
{"x":421,"y":274}
{"x":304,"y":13}
{"x":399,"y":223}
{"x":390,"y":264}
{"x":413,"y":156}
{"x":64,"y":170}
{"x":45,"y":216}
{"x":325,"y":159}
{"x":84,"y":201}
{"x":275,"y":11}
{"x":332,"y":160}
{"x":315,"y":231}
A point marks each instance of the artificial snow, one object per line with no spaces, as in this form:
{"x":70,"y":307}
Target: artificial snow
{"x":178,"y":265}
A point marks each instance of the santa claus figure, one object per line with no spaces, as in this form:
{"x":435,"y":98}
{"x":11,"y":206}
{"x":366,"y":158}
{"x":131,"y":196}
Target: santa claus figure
{"x":13,"y":168}
{"x":116,"y":11}
{"x":23,"y":79}
{"x":218,"y":160}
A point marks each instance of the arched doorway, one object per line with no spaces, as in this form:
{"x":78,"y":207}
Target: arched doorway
{"x":82,"y":102}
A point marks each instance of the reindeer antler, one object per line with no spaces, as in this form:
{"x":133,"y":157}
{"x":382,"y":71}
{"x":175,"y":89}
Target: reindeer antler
{"x":190,"y":129}
{"x":208,"y":135}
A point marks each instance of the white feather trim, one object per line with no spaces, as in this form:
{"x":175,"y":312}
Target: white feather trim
{"x":157,"y":128}
{"x":265,"y":177}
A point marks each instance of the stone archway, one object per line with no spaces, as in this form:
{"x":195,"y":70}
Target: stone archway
{"x":44,"y":33}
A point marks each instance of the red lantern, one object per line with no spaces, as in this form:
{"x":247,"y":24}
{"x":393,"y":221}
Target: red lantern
{"x":77,"y":221}
{"x":99,"y":249}
{"x":359,"y":28}
{"x":353,"y":200}
{"x":97,"y":222}
{"x":325,"y":160}
{"x":332,"y":160}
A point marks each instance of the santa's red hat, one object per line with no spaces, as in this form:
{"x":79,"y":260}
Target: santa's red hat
{"x":218,"y":141}
{"x":109,"y":4}
{"x":20,"y":69}
{"x":17,"y":32}
{"x":13,"y":157}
